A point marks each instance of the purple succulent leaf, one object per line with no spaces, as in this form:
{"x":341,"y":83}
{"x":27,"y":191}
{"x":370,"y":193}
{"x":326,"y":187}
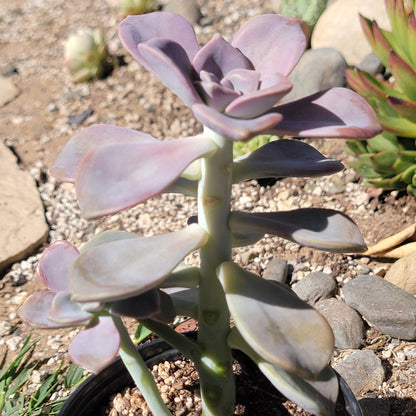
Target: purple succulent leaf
{"x":167,"y":312}
{"x":88,"y":139}
{"x":53,"y":267}
{"x":218,"y":57}
{"x":284,"y":158}
{"x":242,"y":80}
{"x":246,"y":238}
{"x":338,"y":112}
{"x":323,"y":229}
{"x":217,"y":96}
{"x":35,"y":310}
{"x":234,"y":128}
{"x":182,"y":276}
{"x":272,"y":43}
{"x":168,"y":61}
{"x":258,"y":102}
{"x":276,"y":323}
{"x":65,"y":312}
{"x":118,"y":176}
{"x":318,"y":396}
{"x":107,"y":237}
{"x":125,"y":268}
{"x":134,"y":30}
{"x":140,"y":306}
{"x":185,"y":301}
{"x":96,"y":346}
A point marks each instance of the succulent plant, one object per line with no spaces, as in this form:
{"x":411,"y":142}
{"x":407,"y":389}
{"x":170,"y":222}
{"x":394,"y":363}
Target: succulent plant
{"x":86,"y":55}
{"x":389,"y":160}
{"x":233,"y":89}
{"x":136,"y":6}
{"x":307,"y":11}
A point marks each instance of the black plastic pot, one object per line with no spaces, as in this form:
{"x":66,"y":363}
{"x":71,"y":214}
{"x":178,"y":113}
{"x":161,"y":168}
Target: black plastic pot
{"x":91,"y":398}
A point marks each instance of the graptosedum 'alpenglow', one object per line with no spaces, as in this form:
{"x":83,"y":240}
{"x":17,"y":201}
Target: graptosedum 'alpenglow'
{"x":234,"y":91}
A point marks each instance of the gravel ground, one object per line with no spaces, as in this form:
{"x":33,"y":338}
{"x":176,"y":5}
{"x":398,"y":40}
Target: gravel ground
{"x":38,"y":123}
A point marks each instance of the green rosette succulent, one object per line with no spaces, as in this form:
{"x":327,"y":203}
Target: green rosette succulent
{"x":86,"y":55}
{"x":389,"y":160}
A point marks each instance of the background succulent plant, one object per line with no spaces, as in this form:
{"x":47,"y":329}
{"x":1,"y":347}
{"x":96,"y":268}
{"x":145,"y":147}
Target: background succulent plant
{"x":86,"y":55}
{"x":136,"y":6}
{"x":389,"y":160}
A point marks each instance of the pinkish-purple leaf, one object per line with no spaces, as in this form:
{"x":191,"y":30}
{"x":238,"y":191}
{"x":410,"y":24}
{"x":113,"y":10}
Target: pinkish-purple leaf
{"x":284,"y":158}
{"x":96,"y":346}
{"x":216,"y":95}
{"x":118,"y":176}
{"x":35,"y":310}
{"x":276,"y":323}
{"x":272,"y":43}
{"x":169,"y":62}
{"x":125,"y":268}
{"x":65,"y":312}
{"x":134,"y":30}
{"x":89,"y":139}
{"x":53,"y":267}
{"x":258,"y":102}
{"x":243,"y":80}
{"x":338,"y":112}
{"x":167,"y":312}
{"x":234,"y":128}
{"x":140,"y":306}
{"x":323,"y":229}
{"x":218,"y":57}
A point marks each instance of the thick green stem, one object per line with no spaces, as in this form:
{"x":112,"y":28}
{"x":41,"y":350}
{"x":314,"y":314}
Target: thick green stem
{"x":214,"y":195}
{"x":139,"y":372}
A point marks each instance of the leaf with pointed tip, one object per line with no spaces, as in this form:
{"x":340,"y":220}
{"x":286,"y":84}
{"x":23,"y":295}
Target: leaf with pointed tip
{"x":405,"y":108}
{"x":376,"y":39}
{"x":272,"y":43}
{"x":318,"y":396}
{"x":89,"y":139}
{"x":118,"y":176}
{"x":398,"y":20}
{"x":64,"y":311}
{"x":129,"y":267}
{"x":323,"y":229}
{"x":140,"y":306}
{"x":233,"y":128}
{"x":53,"y":267}
{"x":276,"y":323}
{"x":96,"y":346}
{"x":338,"y":112}
{"x":404,"y":75}
{"x":284,"y":158}
{"x":35,"y":310}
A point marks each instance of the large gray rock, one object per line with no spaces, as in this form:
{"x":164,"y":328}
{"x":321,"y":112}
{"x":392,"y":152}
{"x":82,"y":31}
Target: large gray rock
{"x":22,"y":222}
{"x":318,"y":69}
{"x":362,"y":371}
{"x":346,"y":323}
{"x":339,"y":27}
{"x":403,"y":273}
{"x":315,"y":286}
{"x":383,"y":305}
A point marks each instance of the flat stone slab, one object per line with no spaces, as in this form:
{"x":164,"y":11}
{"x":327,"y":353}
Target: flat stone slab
{"x":8,"y":91}
{"x":22,"y":221}
{"x":383,"y":305}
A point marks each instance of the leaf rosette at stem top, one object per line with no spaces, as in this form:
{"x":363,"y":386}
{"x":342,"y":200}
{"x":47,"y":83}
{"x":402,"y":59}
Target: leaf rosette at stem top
{"x":232,"y":88}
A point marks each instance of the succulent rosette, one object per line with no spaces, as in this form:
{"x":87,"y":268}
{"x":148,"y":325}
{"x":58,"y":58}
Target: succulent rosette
{"x":232,"y":88}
